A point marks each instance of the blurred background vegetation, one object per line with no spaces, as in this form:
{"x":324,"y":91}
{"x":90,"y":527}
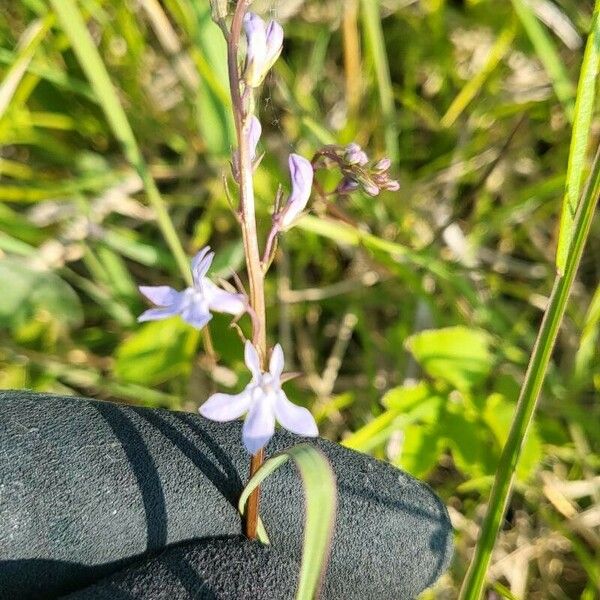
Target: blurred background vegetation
{"x":410,"y":315}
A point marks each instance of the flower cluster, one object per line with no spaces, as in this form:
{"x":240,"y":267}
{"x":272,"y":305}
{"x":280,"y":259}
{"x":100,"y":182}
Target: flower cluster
{"x":357,"y":171}
{"x":263,"y":400}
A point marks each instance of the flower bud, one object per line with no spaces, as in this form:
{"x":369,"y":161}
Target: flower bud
{"x":301,"y":172}
{"x":382,"y":165}
{"x":252,"y":136}
{"x":354,"y":155}
{"x":391,"y":186}
{"x":254,"y":132}
{"x":347,"y":186}
{"x":264,"y":47}
{"x":371,"y":189}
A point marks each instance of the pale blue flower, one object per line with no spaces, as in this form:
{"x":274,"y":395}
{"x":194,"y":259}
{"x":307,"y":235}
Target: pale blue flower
{"x":194,"y":304}
{"x":264,"y":402}
{"x":301,"y":172}
{"x":264,"y":47}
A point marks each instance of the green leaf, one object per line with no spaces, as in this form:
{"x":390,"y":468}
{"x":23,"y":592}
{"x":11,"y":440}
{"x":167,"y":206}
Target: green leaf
{"x":471,"y":443}
{"x":407,"y":404}
{"x":584,"y":109}
{"x":420,"y":449}
{"x":498,"y":414}
{"x":459,"y":355}
{"x":158,"y":351}
{"x":320,"y":493}
{"x":26,"y":291}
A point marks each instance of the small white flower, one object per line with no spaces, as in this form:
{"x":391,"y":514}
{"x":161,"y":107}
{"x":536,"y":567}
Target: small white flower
{"x":195,"y":303}
{"x":264,"y":401}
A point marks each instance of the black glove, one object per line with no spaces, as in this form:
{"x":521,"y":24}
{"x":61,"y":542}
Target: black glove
{"x":89,"y":488}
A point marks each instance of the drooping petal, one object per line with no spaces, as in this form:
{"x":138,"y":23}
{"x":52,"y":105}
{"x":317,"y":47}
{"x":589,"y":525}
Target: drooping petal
{"x":161,"y":295}
{"x":227,"y":302}
{"x":201,"y":263}
{"x":254,"y":133}
{"x":256,"y":52}
{"x":302,"y":173}
{"x":259,"y":426}
{"x":274,"y":44}
{"x":252,"y":359}
{"x":194,"y":309}
{"x":276,"y":363}
{"x":296,"y":419}
{"x":225,"y":407}
{"x":157,"y":314}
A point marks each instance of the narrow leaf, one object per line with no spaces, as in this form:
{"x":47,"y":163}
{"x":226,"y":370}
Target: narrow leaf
{"x":584,"y":109}
{"x":320,"y":493}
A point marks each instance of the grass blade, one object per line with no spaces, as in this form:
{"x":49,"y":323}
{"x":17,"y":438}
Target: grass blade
{"x":376,"y":48}
{"x":89,"y":58}
{"x":548,"y":55}
{"x":320,"y":494}
{"x":584,"y":109}
{"x":472,"y":87}
{"x":32,"y":37}
{"x":474,"y":582}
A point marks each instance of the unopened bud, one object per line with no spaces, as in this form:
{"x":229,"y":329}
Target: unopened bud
{"x":347,"y":186}
{"x":371,"y":189}
{"x":354,"y":155}
{"x":302,"y":174}
{"x":264,"y":47}
{"x":391,"y":186}
{"x":381,"y":166}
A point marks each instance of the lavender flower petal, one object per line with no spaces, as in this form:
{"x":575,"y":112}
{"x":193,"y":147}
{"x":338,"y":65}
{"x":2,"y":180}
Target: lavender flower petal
{"x":226,"y":302}
{"x":157,"y":314}
{"x":194,"y":308}
{"x":252,"y":359}
{"x":276,"y":363}
{"x":201,"y":264}
{"x":259,"y":426}
{"x":256,"y":53}
{"x":302,"y":174}
{"x":274,"y":44}
{"x":296,"y":419}
{"x":254,"y":132}
{"x":161,"y":295}
{"x":226,"y":407}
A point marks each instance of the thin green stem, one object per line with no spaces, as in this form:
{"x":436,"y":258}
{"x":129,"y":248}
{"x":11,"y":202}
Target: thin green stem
{"x":474,"y":582}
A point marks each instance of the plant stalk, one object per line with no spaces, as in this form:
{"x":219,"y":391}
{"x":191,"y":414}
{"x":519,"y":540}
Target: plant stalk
{"x":474,"y":583}
{"x":241,"y":114}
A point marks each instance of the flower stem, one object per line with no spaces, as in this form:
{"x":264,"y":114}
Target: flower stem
{"x":240,"y":105}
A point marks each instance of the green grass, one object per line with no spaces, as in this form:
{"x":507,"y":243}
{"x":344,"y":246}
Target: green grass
{"x":413,"y":320}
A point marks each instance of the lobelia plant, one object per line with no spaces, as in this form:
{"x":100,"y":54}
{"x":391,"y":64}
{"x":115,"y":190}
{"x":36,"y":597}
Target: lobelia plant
{"x":263,"y":402}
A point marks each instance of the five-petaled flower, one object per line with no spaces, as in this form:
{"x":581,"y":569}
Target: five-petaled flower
{"x":264,"y":47}
{"x":264,"y":401}
{"x":194,"y":304}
